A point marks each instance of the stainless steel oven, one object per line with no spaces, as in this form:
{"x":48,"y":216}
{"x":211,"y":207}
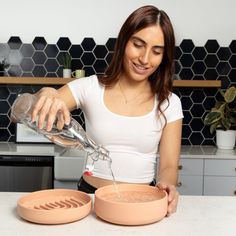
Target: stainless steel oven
{"x":22,"y":173}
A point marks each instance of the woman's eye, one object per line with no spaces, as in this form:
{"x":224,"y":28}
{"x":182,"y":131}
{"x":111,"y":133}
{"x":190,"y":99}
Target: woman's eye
{"x":156,"y":53}
{"x":138,"y":45}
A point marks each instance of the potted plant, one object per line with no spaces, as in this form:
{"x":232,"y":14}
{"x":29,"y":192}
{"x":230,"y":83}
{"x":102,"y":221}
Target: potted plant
{"x":67,"y":65}
{"x":222,"y":119}
{"x":3,"y":66}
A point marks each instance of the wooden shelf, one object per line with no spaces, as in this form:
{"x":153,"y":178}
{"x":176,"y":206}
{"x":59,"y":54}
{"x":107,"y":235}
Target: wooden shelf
{"x":61,"y":81}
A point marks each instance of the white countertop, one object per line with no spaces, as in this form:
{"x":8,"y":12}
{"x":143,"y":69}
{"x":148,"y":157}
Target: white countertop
{"x":54,"y":150}
{"x":196,"y":216}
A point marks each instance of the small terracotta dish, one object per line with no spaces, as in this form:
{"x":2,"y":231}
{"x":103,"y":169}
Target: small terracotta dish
{"x":130,"y":204}
{"x":54,"y":206}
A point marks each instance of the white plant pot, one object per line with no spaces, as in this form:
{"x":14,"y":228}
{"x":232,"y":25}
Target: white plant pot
{"x":66,"y":73}
{"x":225,"y":139}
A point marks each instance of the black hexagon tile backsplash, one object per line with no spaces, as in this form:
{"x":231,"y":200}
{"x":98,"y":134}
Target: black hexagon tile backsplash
{"x":40,"y":59}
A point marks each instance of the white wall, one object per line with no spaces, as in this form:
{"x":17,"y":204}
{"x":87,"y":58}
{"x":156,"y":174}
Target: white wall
{"x":198,"y":20}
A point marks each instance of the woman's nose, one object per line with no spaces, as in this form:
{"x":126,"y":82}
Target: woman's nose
{"x":144,"y":57}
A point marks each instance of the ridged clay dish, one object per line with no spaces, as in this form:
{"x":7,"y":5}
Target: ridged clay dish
{"x":132,"y":204}
{"x":54,"y":206}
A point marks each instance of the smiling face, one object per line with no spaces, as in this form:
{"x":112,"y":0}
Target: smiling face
{"x":143,"y":53}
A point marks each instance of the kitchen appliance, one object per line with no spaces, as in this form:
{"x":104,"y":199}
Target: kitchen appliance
{"x":23,"y":173}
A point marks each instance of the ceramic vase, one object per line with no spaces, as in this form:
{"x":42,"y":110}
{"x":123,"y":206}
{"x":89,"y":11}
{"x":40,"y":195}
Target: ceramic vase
{"x":225,"y":139}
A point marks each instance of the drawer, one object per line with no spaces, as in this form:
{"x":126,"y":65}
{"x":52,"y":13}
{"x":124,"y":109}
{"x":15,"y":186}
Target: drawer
{"x":220,"y":167}
{"x":190,"y":185}
{"x":219,"y":186}
{"x":191,"y":167}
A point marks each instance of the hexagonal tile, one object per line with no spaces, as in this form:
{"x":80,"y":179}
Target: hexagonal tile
{"x":76,"y":51}
{"x":198,"y":96}
{"x":4,"y":107}
{"x":89,"y":70}
{"x":186,"y":60}
{"x":108,"y":58}
{"x":100,"y":66}
{"x":186,"y":131}
{"x":15,"y":57}
{"x":39,"y":43}
{"x":211,"y":74}
{"x":211,"y":60}
{"x":14,"y":70}
{"x":88,"y":58}
{"x":197,"y":110}
{"x":187,"y":45}
{"x":27,"y":50}
{"x":64,"y":43}
{"x":232,"y":75}
{"x":196,"y":138}
{"x":212,"y":46}
{"x":224,"y":53}
{"x":5,"y":135}
{"x":208,"y":103}
{"x":186,"y":103}
{"x":39,"y":71}
{"x":39,"y":58}
{"x":199,"y":53}
{"x":206,"y":132}
{"x":223,"y":68}
{"x":51,"y":50}
{"x":4,"y":121}
{"x":27,"y":64}
{"x":196,"y":124}
{"x":88,"y":44}
{"x":100,"y":51}
{"x":178,"y":52}
{"x":232,"y":61}
{"x":4,"y":92}
{"x":232,"y":46}
{"x":187,"y":117}
{"x":14,"y":42}
{"x":186,"y":73}
{"x":198,"y":67}
{"x":110,"y":44}
{"x":5,"y":50}
{"x":51,"y":74}
{"x":225,"y":81}
{"x":76,"y":64}
{"x":51,"y":65}
{"x":177,"y":67}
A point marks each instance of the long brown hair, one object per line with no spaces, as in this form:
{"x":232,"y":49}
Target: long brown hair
{"x":161,"y":79}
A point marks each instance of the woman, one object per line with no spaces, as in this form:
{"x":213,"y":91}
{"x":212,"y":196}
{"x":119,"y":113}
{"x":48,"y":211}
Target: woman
{"x":131,"y":109}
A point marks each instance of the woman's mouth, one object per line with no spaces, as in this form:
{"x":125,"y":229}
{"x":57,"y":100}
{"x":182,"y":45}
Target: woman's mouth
{"x":140,"y":69}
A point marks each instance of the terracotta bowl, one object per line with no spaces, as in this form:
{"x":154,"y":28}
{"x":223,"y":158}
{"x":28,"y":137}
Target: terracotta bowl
{"x":132,"y":204}
{"x":54,"y":206}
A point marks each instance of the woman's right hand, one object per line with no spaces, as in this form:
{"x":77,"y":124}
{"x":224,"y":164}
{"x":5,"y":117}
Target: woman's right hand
{"x":50,"y":107}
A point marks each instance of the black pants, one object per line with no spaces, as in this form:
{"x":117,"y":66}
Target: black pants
{"x":87,"y":188}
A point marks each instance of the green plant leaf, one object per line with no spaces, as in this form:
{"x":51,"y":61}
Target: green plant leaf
{"x":230,"y":94}
{"x":226,"y":123}
{"x":213,"y":127}
{"x":212,"y":117}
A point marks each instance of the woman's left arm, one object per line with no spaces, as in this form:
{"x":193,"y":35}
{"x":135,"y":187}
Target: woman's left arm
{"x":169,"y":150}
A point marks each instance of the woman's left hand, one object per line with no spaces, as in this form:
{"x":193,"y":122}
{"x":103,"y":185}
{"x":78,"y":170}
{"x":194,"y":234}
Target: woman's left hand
{"x":173,"y":196}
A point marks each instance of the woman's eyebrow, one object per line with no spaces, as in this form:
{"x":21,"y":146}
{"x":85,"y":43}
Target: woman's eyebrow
{"x":141,"y":40}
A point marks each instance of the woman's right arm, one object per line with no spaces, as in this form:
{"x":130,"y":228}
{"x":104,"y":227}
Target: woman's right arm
{"x":52,"y":104}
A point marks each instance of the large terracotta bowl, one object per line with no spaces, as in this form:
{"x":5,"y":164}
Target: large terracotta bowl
{"x":132,"y":204}
{"x":54,"y":206}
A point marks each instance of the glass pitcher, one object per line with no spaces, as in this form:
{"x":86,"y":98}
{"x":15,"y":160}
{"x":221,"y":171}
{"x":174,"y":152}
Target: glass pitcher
{"x":70,"y":136}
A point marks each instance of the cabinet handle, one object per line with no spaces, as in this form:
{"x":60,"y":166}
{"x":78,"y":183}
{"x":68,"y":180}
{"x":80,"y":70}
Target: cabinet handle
{"x":235,"y":192}
{"x":179,"y":184}
{"x":180,"y":167}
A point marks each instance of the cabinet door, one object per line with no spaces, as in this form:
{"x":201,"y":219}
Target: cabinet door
{"x":219,"y":186}
{"x":190,"y":185}
{"x":190,"y":166}
{"x":220,"y":167}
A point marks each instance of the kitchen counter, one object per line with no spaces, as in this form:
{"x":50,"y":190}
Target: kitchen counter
{"x":54,"y":150}
{"x":196,"y":215}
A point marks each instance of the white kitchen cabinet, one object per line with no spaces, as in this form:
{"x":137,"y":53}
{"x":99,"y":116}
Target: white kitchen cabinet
{"x":190,"y":180}
{"x":220,"y":177}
